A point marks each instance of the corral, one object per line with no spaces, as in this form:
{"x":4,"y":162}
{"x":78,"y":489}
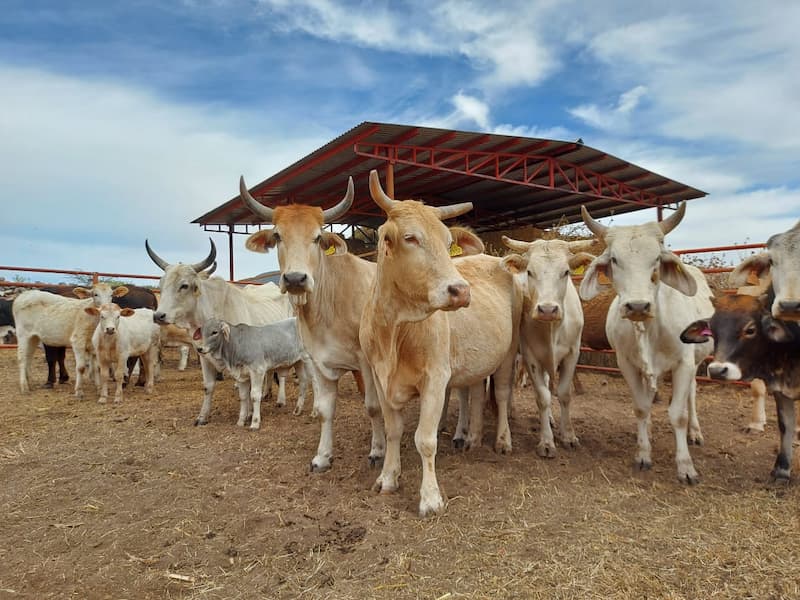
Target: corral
{"x":132,"y":501}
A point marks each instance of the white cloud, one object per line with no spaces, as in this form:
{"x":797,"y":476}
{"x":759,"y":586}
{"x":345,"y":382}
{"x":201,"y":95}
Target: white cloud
{"x":91,"y":169}
{"x":612,"y":118}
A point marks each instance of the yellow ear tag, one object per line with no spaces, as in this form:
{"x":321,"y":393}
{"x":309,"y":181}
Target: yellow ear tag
{"x":579,"y":270}
{"x":331,"y":250}
{"x":456,"y":250}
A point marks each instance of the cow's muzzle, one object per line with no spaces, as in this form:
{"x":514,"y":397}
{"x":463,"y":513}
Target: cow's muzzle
{"x":787,"y":310}
{"x":458,"y":295}
{"x":160,"y":318}
{"x":295,"y":282}
{"x":547,"y":311}
{"x":637,"y":311}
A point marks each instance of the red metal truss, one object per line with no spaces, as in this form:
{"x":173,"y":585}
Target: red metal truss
{"x":531,"y":170}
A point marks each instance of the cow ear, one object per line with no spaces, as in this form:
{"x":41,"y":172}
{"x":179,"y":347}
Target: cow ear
{"x":776,"y":330}
{"x":758,"y":263}
{"x":387,"y":234}
{"x":675,"y":274}
{"x":590,"y":284}
{"x":226,"y":330}
{"x":581,"y":259}
{"x":119,"y":291}
{"x":127,"y":312}
{"x":465,"y":243}
{"x":91,"y":310}
{"x":261,"y":241}
{"x":514,"y":263}
{"x":332,"y":244}
{"x":81,"y":292}
{"x":697,"y":333}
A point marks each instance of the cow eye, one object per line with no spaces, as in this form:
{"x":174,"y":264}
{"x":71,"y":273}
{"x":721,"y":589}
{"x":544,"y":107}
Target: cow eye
{"x":276,"y":236}
{"x":184,"y":286}
{"x":530,"y":273}
{"x":566,"y":273}
{"x":750,"y":330}
{"x":411,"y":239}
{"x":613,"y":260}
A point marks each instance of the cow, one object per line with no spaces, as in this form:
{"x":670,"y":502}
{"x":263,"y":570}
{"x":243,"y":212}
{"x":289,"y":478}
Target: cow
{"x":552,"y":322}
{"x":57,"y":321}
{"x":250,"y":353}
{"x":750,"y":343}
{"x":189,"y":298}
{"x":431,"y":322}
{"x":657,"y":296}
{"x":6,"y":321}
{"x":122,"y":333}
{"x":328,"y":287}
{"x":782,"y":260}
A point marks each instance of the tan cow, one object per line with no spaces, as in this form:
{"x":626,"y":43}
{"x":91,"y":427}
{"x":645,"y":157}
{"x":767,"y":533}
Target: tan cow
{"x":416,"y":344}
{"x":328,"y":288}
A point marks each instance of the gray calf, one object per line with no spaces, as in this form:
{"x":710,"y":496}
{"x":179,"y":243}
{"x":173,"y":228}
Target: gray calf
{"x":250,"y":353}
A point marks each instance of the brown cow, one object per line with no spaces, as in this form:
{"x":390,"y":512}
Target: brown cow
{"x":417,"y":345}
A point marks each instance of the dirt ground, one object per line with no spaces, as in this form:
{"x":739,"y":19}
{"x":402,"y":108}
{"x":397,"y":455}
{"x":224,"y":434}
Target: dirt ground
{"x":133,"y":501}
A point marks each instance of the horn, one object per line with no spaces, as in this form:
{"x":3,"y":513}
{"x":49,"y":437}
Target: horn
{"x":596,"y":228}
{"x":262,"y":212}
{"x":208,"y":261}
{"x":377,"y":193}
{"x":453,"y":210}
{"x":210,"y":270}
{"x":160,"y":262}
{"x":331,"y":214}
{"x":516,"y":245}
{"x":580,"y":245}
{"x":672,"y":221}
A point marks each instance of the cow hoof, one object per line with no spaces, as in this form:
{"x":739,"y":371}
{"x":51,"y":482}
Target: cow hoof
{"x":779,"y":476}
{"x":255,"y":427}
{"x":385,"y":486}
{"x":375,"y":461}
{"x":546,"y":451}
{"x":297,"y":411}
{"x":140,"y":384}
{"x":219,"y":377}
{"x":502,"y":448}
{"x":320,"y":467}
{"x":200,"y":421}
{"x":696,"y":439}
{"x":48,"y":385}
{"x":458,"y":443}
{"x":431,"y":507}
{"x":689,"y":478}
{"x":572,"y":444}
{"x":63,"y":379}
{"x":102,"y":400}
{"x":753,"y":428}
{"x":643,"y":465}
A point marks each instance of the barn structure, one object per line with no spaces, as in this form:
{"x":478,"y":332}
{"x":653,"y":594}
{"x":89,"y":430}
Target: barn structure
{"x":512,"y":181}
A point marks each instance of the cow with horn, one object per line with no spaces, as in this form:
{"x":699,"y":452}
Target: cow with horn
{"x":328,"y":287}
{"x":189,"y":298}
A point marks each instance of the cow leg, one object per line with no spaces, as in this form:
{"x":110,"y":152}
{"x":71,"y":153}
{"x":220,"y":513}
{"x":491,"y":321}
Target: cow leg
{"x":83,"y":367}
{"x":183,"y":362}
{"x":51,"y":357}
{"x":122,"y":365}
{"x":150,"y":364}
{"x":503,"y":381}
{"x":682,"y":380}
{"x":642,"y":404}
{"x":566,"y":375}
{"x":325,"y":403}
{"x":786,"y":424}
{"x":209,"y":382}
{"x":695,"y":435}
{"x":281,"y":389}
{"x":477,"y":401}
{"x":257,"y":377}
{"x":61,"y":355}
{"x":443,"y":418}
{"x":377,"y":448}
{"x":302,"y":384}
{"x":245,"y":405}
{"x":758,"y":413}
{"x":389,"y":479}
{"x":102,"y":397}
{"x":26,"y":346}
{"x":462,"y":427}
{"x":546,"y":448}
{"x":430,"y":409}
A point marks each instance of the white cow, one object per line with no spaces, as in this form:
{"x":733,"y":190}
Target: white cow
{"x":189,"y":298}
{"x":552,"y":323}
{"x":782,"y":261}
{"x":116,"y":339}
{"x":58,"y":321}
{"x":657,"y":297}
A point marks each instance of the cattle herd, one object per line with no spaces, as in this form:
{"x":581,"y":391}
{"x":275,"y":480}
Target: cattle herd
{"x":434,"y":315}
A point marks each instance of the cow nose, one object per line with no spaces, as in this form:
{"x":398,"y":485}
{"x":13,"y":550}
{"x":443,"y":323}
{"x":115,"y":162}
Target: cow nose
{"x":459,"y":294}
{"x":717,"y":371}
{"x":110,"y":330}
{"x":295,"y":279}
{"x":547,"y":310}
{"x":789,"y":306}
{"x":160,"y":317}
{"x":638,"y":308}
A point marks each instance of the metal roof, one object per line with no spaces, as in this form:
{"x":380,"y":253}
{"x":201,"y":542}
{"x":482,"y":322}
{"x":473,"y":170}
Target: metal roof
{"x":513,"y":181}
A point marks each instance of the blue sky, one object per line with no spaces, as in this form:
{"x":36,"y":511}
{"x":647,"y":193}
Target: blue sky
{"x":121,"y":121}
